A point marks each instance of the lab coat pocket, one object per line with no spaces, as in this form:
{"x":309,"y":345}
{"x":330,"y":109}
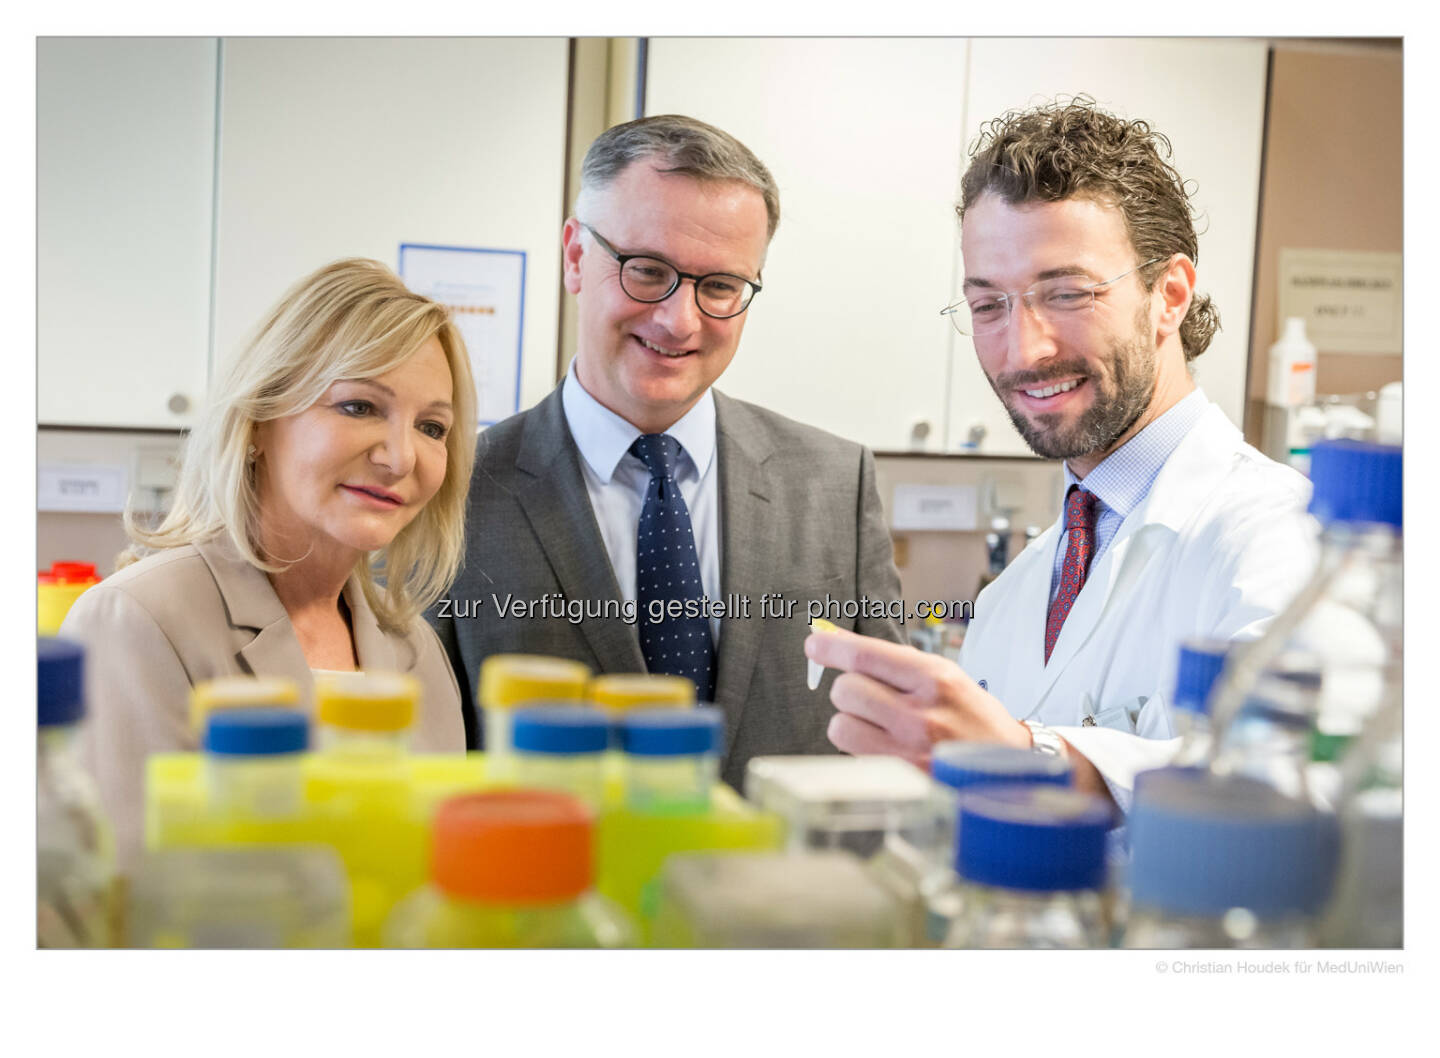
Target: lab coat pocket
{"x":1120,"y":716}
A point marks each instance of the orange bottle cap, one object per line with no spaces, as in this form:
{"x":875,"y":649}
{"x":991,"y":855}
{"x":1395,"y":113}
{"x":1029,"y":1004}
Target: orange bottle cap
{"x":513,"y":847}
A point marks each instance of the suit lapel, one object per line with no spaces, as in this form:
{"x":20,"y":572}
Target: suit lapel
{"x":747,"y":532}
{"x":251,"y":603}
{"x":551,"y":491}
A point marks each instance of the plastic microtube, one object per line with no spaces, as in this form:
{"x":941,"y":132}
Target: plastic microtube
{"x":813,"y":669}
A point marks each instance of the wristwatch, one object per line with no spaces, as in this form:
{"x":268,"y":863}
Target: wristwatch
{"x":1043,"y":740}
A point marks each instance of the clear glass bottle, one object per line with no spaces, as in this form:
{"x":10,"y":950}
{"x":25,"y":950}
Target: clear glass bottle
{"x":1367,"y":910}
{"x":1032,"y":859}
{"x":1349,"y":614}
{"x":774,"y":900}
{"x":74,"y":851}
{"x":509,"y":681}
{"x":852,"y":803}
{"x":253,"y":763}
{"x":562,"y":748}
{"x":672,"y":758}
{"x":1270,"y":739}
{"x":511,"y":869}
{"x":933,"y":889}
{"x":282,"y":896}
{"x":1224,"y":862}
{"x":1199,"y":666}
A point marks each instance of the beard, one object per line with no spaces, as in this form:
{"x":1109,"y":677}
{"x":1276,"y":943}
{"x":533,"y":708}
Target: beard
{"x":1121,"y":396}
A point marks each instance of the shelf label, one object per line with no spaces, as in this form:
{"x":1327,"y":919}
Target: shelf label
{"x":82,"y":487}
{"x":934,"y":507}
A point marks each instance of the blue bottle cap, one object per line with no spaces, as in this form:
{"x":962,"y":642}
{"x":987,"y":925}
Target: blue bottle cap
{"x":1202,"y":844}
{"x":1200,"y":663}
{"x":560,"y":730}
{"x":1036,"y":838}
{"x":965,"y":764}
{"x":1356,"y":481}
{"x":60,"y":684}
{"x":672,"y":732}
{"x":256,"y":732}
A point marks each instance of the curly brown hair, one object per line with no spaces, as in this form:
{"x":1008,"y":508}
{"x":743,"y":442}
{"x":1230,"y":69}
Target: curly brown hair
{"x":1064,"y":149}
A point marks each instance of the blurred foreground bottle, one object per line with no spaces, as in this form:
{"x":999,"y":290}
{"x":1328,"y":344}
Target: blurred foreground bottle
{"x":1224,"y":862}
{"x":774,"y":900}
{"x":1367,"y":908}
{"x":1272,"y":737}
{"x":510,"y":869}
{"x":1032,"y":859}
{"x":509,"y":681}
{"x":58,"y":588}
{"x":882,"y":809}
{"x":962,"y":766}
{"x":1348,"y":615}
{"x":671,"y":758}
{"x":282,"y":896}
{"x":74,"y":854}
{"x":1199,"y":666}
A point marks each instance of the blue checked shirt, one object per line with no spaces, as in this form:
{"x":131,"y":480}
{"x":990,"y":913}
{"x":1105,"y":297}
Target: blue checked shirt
{"x":1123,"y":478}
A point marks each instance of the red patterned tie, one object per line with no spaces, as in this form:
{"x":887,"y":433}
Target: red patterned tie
{"x":1080,"y":534}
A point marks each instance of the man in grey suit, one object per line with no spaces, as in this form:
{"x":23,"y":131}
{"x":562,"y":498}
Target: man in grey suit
{"x":635,"y":490}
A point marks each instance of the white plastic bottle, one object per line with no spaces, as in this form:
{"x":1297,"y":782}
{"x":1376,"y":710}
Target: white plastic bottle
{"x":1292,"y":367}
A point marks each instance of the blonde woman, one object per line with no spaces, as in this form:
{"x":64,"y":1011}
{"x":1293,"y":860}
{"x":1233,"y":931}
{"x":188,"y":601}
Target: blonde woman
{"x":320,"y":509}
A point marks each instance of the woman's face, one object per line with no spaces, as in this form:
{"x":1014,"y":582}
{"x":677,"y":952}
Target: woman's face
{"x":351,"y":471}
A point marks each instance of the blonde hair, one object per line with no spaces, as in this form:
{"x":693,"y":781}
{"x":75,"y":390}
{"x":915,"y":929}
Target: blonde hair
{"x":349,"y":320}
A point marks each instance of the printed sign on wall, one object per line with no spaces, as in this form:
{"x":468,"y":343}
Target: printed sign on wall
{"x":1350,"y":300}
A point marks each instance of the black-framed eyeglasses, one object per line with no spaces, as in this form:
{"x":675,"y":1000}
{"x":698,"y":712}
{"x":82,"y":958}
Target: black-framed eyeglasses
{"x":719,"y":295}
{"x":1056,"y":301}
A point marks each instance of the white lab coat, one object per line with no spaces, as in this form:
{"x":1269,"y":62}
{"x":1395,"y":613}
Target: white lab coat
{"x":1219,"y":545}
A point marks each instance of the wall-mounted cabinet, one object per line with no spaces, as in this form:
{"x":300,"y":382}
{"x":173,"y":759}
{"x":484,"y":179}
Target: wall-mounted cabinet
{"x":155,"y":264}
{"x":125,"y":183}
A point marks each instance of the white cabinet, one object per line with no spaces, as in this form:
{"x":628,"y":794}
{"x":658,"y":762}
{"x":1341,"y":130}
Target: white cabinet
{"x":335,"y":148}
{"x":323,"y":148}
{"x":862,"y":137}
{"x":125,"y":179}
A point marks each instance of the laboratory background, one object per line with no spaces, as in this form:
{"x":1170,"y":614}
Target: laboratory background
{"x":185,"y":182}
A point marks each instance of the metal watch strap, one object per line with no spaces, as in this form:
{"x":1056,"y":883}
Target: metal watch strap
{"x":1043,"y":740}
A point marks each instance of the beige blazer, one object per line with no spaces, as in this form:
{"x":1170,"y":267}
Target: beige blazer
{"x":159,"y":626}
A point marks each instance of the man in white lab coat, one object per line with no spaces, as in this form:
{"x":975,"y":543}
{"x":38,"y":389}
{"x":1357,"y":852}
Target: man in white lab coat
{"x":1080,"y":298}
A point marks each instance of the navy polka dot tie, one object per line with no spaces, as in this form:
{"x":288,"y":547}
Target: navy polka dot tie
{"x":667,"y":568}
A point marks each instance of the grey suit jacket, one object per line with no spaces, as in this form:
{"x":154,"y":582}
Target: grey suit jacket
{"x":799,"y":516}
{"x":158,"y":627}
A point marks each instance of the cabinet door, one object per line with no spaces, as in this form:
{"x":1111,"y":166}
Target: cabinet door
{"x":125,"y":184}
{"x":862,"y":137}
{"x":350,"y":147}
{"x":1208,"y":98}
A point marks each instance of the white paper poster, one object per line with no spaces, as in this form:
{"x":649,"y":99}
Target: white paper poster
{"x":485,"y":293}
{"x":1350,"y":300}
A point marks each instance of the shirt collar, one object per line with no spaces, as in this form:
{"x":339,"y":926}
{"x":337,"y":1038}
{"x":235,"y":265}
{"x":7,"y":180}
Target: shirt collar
{"x":604,"y":438}
{"x":1124,"y":477}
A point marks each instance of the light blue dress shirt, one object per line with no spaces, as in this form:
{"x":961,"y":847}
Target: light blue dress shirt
{"x":1123,"y":478}
{"x":616,"y":482}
